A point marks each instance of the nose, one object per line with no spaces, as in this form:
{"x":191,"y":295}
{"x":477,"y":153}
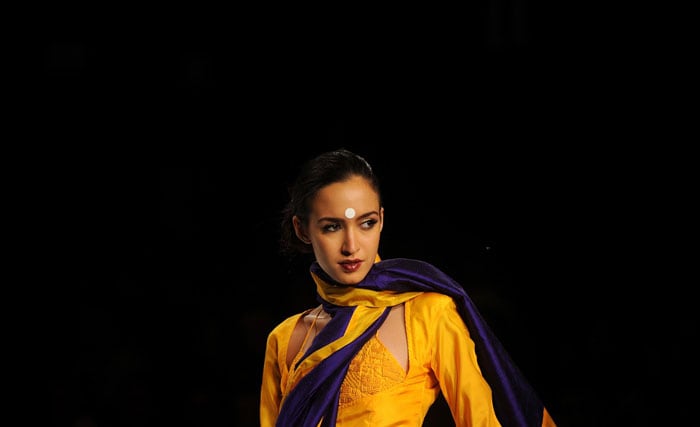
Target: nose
{"x":350,"y":244}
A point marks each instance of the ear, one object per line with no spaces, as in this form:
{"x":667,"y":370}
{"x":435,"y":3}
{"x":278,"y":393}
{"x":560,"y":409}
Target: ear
{"x":299,"y":230}
{"x":381,"y":219}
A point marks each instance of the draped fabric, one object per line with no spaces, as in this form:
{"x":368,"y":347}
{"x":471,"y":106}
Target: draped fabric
{"x":357,"y":313}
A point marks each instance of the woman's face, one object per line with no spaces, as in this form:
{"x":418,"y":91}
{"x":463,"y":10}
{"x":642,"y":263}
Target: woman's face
{"x":344,"y":229}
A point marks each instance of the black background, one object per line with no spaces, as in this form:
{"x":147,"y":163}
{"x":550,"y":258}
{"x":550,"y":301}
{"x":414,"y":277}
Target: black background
{"x":165,"y":139}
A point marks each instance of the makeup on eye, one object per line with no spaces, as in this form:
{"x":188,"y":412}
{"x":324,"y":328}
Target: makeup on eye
{"x":329,"y":225}
{"x":360,"y":218}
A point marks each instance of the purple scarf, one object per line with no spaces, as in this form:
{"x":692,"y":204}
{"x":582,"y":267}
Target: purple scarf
{"x":315,"y":397}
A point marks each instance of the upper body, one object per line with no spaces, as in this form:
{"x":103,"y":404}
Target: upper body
{"x":388,"y":335}
{"x":391,"y":383}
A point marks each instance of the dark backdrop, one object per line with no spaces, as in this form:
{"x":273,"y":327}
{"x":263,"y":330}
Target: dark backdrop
{"x":164,"y":144}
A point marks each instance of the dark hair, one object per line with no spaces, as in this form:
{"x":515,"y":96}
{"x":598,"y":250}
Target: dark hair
{"x":325,"y":169}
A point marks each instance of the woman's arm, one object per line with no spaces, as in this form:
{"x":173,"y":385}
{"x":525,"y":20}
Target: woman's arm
{"x":457,"y":369}
{"x":270,"y":390}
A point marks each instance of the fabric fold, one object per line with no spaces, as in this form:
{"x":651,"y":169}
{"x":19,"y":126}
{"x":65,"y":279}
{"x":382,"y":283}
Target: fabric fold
{"x":357,"y":313}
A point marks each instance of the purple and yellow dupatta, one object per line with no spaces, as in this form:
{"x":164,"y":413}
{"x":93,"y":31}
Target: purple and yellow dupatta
{"x":357,"y":313}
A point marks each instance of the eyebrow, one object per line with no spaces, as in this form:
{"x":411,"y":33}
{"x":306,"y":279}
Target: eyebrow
{"x":357,"y":218}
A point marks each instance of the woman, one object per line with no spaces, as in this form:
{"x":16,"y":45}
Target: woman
{"x":388,"y":335}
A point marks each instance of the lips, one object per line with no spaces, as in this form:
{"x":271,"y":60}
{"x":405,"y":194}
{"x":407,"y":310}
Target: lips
{"x":351,"y":266}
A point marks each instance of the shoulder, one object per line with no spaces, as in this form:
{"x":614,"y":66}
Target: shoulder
{"x":284,"y":329}
{"x":431,"y":308}
{"x":432,"y":323}
{"x":431,"y":302}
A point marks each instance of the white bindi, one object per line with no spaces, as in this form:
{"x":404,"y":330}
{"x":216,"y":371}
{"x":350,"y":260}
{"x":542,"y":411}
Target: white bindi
{"x":349,"y":213}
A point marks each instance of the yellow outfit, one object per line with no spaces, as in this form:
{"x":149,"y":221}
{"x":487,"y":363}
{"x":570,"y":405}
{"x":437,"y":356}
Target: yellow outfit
{"x":376,"y":390}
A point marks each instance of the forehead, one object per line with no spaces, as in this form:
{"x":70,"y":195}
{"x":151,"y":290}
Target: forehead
{"x":332,"y":200}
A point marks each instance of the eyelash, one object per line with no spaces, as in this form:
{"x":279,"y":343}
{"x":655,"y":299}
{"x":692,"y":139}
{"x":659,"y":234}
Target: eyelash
{"x":368,"y":225}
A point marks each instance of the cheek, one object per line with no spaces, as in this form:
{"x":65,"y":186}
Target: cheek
{"x":375,"y":233}
{"x":371,"y":239}
{"x":325,"y":243}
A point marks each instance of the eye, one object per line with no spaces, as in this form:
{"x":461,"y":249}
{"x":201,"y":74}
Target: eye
{"x":370,"y":223}
{"x":331,"y":227}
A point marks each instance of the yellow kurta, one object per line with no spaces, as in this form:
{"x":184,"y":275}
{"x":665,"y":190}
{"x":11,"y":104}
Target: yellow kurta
{"x":378,"y":392}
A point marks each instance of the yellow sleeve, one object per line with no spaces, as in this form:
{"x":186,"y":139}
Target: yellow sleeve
{"x":456,"y":367}
{"x":275,"y":371}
